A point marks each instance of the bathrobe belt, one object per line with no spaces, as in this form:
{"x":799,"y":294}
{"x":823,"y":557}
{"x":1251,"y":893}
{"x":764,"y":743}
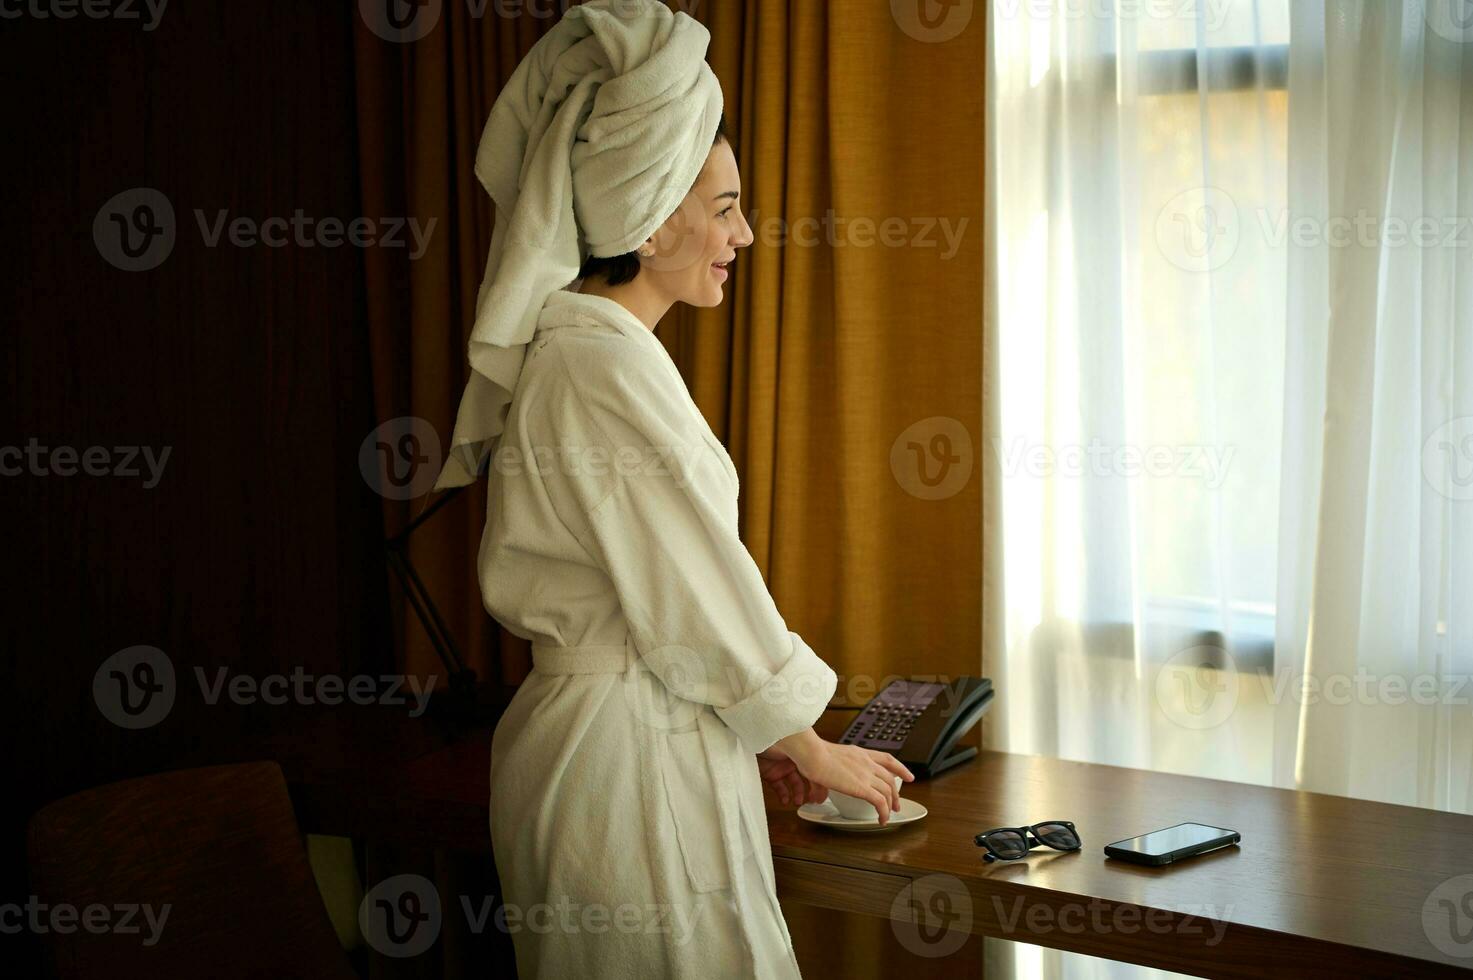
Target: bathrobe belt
{"x":589,"y":659}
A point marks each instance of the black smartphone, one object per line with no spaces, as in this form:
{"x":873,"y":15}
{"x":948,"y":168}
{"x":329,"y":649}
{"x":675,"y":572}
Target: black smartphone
{"x":1172,"y":844}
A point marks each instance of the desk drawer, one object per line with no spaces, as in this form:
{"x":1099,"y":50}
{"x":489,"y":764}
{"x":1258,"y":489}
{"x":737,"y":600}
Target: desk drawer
{"x":832,"y":886}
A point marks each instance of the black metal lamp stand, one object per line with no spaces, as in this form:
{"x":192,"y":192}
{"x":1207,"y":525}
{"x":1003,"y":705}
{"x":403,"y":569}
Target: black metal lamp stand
{"x":460,"y":707}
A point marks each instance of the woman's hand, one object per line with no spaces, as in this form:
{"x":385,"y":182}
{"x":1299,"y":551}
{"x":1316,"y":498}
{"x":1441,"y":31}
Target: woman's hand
{"x":781,"y":773}
{"x":866,"y":774}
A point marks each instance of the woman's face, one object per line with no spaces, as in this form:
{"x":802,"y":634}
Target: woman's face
{"x":704,"y":232}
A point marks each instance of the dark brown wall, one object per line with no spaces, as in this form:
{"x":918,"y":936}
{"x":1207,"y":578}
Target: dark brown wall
{"x":257,"y":550}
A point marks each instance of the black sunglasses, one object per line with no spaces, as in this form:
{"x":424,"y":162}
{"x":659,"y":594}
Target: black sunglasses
{"x":1012,"y":843}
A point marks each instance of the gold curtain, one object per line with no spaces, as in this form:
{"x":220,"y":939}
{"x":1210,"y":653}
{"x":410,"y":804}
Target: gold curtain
{"x":824,"y":355}
{"x":844,"y":371}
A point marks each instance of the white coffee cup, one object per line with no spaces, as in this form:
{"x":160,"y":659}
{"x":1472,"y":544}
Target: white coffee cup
{"x":853,"y":808}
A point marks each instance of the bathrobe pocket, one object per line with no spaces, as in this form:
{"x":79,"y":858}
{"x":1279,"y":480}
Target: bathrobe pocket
{"x":690,"y":794}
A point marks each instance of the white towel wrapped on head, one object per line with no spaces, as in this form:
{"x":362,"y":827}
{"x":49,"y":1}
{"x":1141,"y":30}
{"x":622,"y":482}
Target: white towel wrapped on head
{"x":590,"y":147}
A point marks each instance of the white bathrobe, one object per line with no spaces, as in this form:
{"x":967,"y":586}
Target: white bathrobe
{"x":626,"y":807}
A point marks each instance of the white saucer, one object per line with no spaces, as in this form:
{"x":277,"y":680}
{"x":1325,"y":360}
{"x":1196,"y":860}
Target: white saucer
{"x":827,"y":815}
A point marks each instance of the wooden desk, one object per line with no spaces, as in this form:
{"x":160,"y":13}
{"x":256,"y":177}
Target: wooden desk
{"x":1320,"y":884}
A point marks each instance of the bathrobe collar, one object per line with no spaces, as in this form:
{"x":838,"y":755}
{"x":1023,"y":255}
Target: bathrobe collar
{"x":565,"y":303}
{"x":565,"y":308}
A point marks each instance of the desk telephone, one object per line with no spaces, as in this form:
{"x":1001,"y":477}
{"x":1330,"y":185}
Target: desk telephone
{"x":919,"y":722}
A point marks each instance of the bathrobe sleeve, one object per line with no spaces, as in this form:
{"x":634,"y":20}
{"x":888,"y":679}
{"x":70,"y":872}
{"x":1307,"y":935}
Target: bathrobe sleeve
{"x":651,"y":502}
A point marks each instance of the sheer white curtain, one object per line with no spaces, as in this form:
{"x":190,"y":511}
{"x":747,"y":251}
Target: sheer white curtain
{"x":1141,"y":337}
{"x":1233,"y":268}
{"x":1375,"y":578}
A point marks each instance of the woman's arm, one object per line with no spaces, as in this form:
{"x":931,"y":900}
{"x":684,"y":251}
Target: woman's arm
{"x":699,"y":613}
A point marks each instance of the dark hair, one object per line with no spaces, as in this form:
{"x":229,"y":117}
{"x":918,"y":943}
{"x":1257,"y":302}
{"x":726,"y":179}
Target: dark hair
{"x":620,"y":269}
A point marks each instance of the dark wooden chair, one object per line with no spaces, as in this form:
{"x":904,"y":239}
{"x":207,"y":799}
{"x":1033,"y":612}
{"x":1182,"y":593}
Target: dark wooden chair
{"x":219,"y":846}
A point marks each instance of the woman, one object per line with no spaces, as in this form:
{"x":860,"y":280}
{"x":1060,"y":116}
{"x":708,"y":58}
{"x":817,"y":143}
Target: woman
{"x":627,"y":817}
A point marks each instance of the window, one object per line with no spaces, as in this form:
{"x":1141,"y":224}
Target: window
{"x":1142,"y":272}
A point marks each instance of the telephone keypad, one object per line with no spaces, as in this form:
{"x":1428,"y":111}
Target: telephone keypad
{"x":885,"y":723}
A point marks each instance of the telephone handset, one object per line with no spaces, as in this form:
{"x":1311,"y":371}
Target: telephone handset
{"x":919,"y":722}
